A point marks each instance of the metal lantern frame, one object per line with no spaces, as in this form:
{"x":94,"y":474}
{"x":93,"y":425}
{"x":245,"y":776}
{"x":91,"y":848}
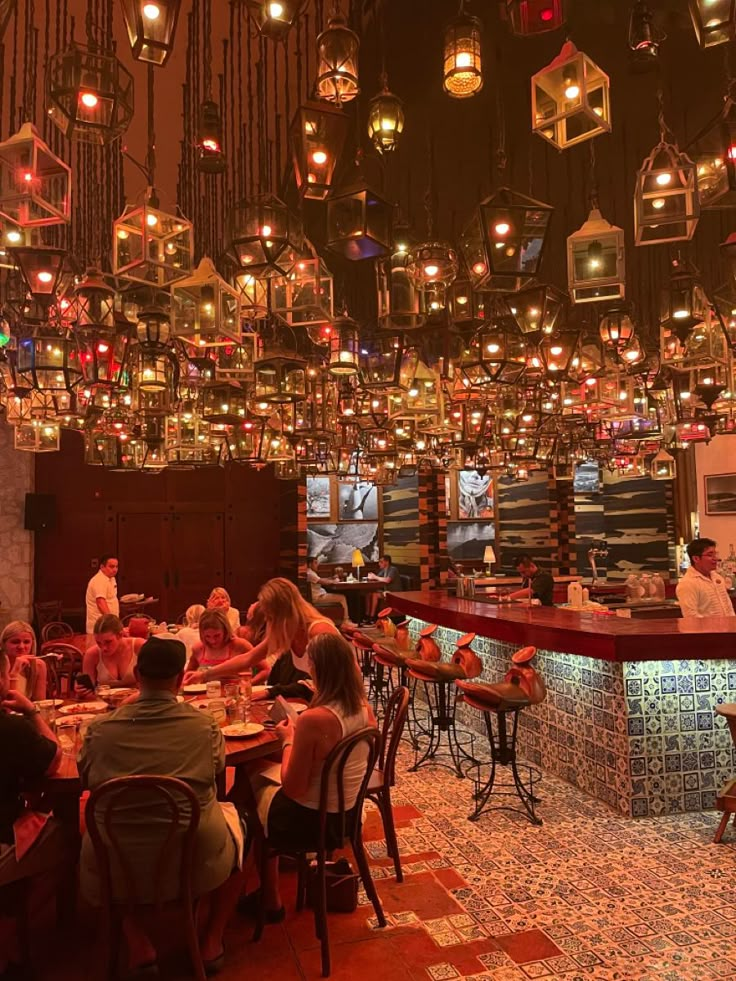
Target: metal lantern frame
{"x":151,"y":38}
{"x":596,"y":267}
{"x":304,"y":295}
{"x":496,"y":354}
{"x":264,"y":237}
{"x":527,"y":18}
{"x":386,"y":364}
{"x":37,"y":436}
{"x":274,"y":20}
{"x":48,"y":360}
{"x":103,"y":356}
{"x":570,"y":99}
{"x":243,"y":441}
{"x":401,"y":305}
{"x":209,"y":142}
{"x":462,"y":66}
{"x":89,"y":95}
{"x":537,"y":309}
{"x":35,"y":184}
{"x":557,"y":351}
{"x":666,"y":202}
{"x":713,"y":26}
{"x":94,"y":302}
{"x":386,"y":120}
{"x":317,"y":135}
{"x":205,"y":310}
{"x":152,"y":246}
{"x":716,"y":163}
{"x":225,"y":403}
{"x":344,"y":352}
{"x":280,"y":378}
{"x":432,"y":268}
{"x":337,"y":61}
{"x":41,"y":269}
{"x":359,"y":222}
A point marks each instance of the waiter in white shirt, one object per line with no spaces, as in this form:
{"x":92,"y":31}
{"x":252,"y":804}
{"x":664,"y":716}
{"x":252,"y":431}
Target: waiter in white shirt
{"x":702,"y":592}
{"x":102,"y":592}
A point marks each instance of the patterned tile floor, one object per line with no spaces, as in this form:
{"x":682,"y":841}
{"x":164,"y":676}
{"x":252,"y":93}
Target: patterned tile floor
{"x":589,"y":895}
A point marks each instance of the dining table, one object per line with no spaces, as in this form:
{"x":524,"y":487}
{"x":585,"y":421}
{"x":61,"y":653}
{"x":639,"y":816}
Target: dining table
{"x":355,"y":593}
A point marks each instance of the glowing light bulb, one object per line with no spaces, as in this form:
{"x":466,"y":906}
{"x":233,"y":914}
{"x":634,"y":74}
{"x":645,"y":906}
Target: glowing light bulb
{"x":13,"y":236}
{"x":479,"y":268}
{"x":664,"y":178}
{"x":44,"y":276}
{"x":658,"y":203}
{"x":28,"y":177}
{"x":502,"y":228}
{"x":275,"y":10}
{"x":463,"y":59}
{"x":122,"y":234}
{"x":266,"y":231}
{"x":151,"y":11}
{"x":151,"y":219}
{"x":572,"y":91}
{"x":88,"y":99}
{"x":546,"y":15}
{"x":319,"y":157}
{"x":431,"y":270}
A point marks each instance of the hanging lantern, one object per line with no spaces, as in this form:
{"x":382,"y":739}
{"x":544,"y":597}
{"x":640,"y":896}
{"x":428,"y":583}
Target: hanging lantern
{"x":432,"y":267}
{"x":103,"y":356}
{"x":557,"y":351}
{"x":303,"y":297}
{"x":359,"y":222}
{"x":35,"y":184}
{"x":317,"y":134}
{"x":47,"y":361}
{"x":38,"y":436}
{"x":504,"y":241}
{"x":153,"y":368}
{"x":529,"y":17}
{"x":684,"y":303}
{"x":595,"y":261}
{"x":210,"y":152}
{"x":384,"y":363}
{"x":401,"y":304}
{"x":714,"y":22}
{"x":188,"y":441}
{"x":253,"y":296}
{"x":265,"y":237}
{"x":716,"y":165}
{"x":663,"y":466}
{"x":644,"y":38}
{"x":109,"y":450}
{"x":206,"y":310}
{"x":224,"y":403}
{"x":570,"y":99}
{"x":666,"y":204}
{"x":462,"y":74}
{"x":152,"y":246}
{"x":616,"y":327}
{"x":536,"y":309}
{"x":94,"y":303}
{"x":89,"y":95}
{"x":344,"y":347}
{"x":337,"y":65}
{"x":494,"y":354}
{"x":280,"y":378}
{"x":151,"y":26}
{"x":274,"y":18}
{"x":41,"y":269}
{"x":385,"y":119}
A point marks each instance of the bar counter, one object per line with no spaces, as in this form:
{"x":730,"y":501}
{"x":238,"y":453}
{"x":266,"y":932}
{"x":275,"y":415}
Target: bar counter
{"x":630,"y":710}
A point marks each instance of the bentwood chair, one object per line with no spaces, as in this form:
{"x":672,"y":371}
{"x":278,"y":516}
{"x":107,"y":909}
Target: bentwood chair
{"x":47,"y":612}
{"x":383,"y":777}
{"x":56,"y":630}
{"x":64,"y":663}
{"x":138,"y":888}
{"x":350,"y":832}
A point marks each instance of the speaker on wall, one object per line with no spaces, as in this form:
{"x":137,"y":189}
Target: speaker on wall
{"x":40,"y":512}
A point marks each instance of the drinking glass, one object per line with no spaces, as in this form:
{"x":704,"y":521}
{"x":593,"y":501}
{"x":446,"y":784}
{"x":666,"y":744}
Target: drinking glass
{"x":68,"y":733}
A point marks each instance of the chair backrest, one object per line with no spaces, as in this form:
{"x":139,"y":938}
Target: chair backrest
{"x":53,"y":683}
{"x":171,"y":840}
{"x":394,"y":720}
{"x":46,"y":612}
{"x":333,"y":774}
{"x":55,"y":630}
{"x":68,"y":657}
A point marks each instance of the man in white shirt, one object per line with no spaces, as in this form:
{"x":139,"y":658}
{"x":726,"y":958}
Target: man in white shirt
{"x":320,"y":596}
{"x":702,"y":592}
{"x":102,"y":592}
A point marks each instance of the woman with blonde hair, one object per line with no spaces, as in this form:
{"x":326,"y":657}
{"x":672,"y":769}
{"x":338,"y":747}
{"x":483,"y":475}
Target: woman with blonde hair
{"x":111,"y":660}
{"x":188,"y":633}
{"x":291,"y":622}
{"x":219,"y":599}
{"x":27,"y":672}
{"x":217,"y":645}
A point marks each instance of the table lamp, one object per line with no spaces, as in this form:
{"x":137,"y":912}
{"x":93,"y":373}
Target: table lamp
{"x":357,"y":561}
{"x":489,"y":557}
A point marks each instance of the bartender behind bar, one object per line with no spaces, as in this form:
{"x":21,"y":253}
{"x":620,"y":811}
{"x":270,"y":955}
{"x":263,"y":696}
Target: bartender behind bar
{"x":537,"y":583}
{"x":702,"y":592}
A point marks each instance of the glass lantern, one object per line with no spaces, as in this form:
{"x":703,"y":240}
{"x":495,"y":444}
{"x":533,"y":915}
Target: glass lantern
{"x":462,"y":73}
{"x":153,"y":369}
{"x":530,"y":17}
{"x":35,"y":184}
{"x":41,"y":269}
{"x":317,"y":135}
{"x":557,"y":351}
{"x":48,"y":361}
{"x":254,"y":301}
{"x":684,"y":304}
{"x":38,"y":436}
{"x":243,"y":443}
{"x":224,"y":403}
{"x":714,"y":21}
{"x":595,"y":261}
{"x":570,"y":99}
{"x":188,"y":442}
{"x":151,"y":26}
{"x":206,"y":310}
{"x":663,"y":466}
{"x":359,"y":223}
{"x":265,"y":237}
{"x":274,"y":18}
{"x":208,"y":143}
{"x":385,"y":120}
{"x":344,"y":348}
{"x":666,"y":204}
{"x":337,"y":65}
{"x":537,"y":310}
{"x":280,"y":379}
{"x":716,"y":163}
{"x":89,"y":95}
{"x":401,"y":304}
{"x":152,"y":246}
{"x":103,"y":357}
{"x":495,"y":354}
{"x":304,"y":295}
{"x":94,"y":303}
{"x":385,"y":364}
{"x":432,"y":267}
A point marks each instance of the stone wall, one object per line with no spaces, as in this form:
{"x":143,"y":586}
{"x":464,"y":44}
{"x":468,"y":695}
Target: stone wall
{"x":16,"y":544}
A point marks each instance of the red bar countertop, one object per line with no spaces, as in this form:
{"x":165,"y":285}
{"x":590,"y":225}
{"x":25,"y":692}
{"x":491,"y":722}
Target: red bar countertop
{"x":607,"y":638}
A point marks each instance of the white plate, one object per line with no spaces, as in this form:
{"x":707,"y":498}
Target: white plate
{"x":194,"y":689}
{"x":77,"y":718}
{"x":48,"y":702}
{"x":131,"y":598}
{"x":238,"y":730}
{"x":84,"y":708}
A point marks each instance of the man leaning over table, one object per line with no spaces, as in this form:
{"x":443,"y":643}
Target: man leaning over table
{"x":102,"y":592}
{"x":156,"y":734}
{"x":702,"y":592}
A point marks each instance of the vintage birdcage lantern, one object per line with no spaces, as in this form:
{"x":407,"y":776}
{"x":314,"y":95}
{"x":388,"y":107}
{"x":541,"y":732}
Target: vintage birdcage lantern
{"x":89,"y":95}
{"x":344,"y":348}
{"x":616,"y":326}
{"x":557,"y":352}
{"x":304,"y":295}
{"x":209,"y":144}
{"x":153,"y":368}
{"x":385,"y":363}
{"x":432,"y":268}
{"x":35,"y":184}
{"x":278,"y":448}
{"x":714,"y":21}
{"x":151,"y":245}
{"x":317,"y":414}
{"x":205,"y":310}
{"x":503,"y":243}
{"x":41,"y":269}
{"x":570,"y":99}
{"x":94,"y":302}
{"x":716,"y":160}
{"x":317,"y":135}
{"x":188,"y":442}
{"x":462,"y":72}
{"x":47,"y":360}
{"x":385,"y":119}
{"x":274,"y":18}
{"x":537,"y":309}
{"x":151,"y":26}
{"x":596,"y":269}
{"x":337,"y":60}
{"x":224,"y":403}
{"x":254,"y":296}
{"x":495,"y":354}
{"x":644,"y":38}
{"x":37,"y":436}
{"x":265,"y":238}
{"x":527,"y":18}
{"x":666,"y":203}
{"x":280,"y":378}
{"x":359,"y":222}
{"x":103,"y":357}
{"x":663,"y":466}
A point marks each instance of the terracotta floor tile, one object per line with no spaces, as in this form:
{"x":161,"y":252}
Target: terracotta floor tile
{"x":421,"y":893}
{"x":530,"y":945}
{"x":450,"y":878}
{"x":364,"y":960}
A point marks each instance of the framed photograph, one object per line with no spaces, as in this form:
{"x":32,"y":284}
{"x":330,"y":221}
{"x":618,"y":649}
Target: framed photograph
{"x":467,"y":540}
{"x":319,"y":498}
{"x":357,"y":501}
{"x":720,"y":493}
{"x":474,"y":496}
{"x":334,"y":544}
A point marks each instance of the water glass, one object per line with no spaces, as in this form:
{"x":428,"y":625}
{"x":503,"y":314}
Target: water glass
{"x":103,"y":692}
{"x":48,"y":711}
{"x":214,"y":689}
{"x":68,"y":734}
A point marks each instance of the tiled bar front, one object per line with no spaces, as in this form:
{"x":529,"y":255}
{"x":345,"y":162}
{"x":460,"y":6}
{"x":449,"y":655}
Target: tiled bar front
{"x":642,"y":736}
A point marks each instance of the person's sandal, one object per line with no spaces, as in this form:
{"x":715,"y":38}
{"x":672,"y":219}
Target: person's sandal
{"x":250,"y":905}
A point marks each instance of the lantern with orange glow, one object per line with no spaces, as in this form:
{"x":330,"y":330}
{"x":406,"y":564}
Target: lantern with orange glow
{"x":570,"y":99}
{"x":537,"y":310}
{"x":206,"y":310}
{"x":47,"y":361}
{"x":103,"y":358}
{"x":529,"y":17}
{"x":666,"y":203}
{"x":317,"y":136}
{"x":432,"y":267}
{"x":37,"y":436}
{"x":595,"y":261}
{"x":265,"y":237}
{"x":89,"y":95}
{"x":344,"y":347}
{"x":35,"y":184}
{"x":337,"y":61}
{"x":151,"y":26}
{"x":557,"y":351}
{"x":463,"y":62}
{"x":94,"y":303}
{"x":209,"y":146}
{"x":150,"y":245}
{"x":41,"y":269}
{"x":714,"y":21}
{"x":274,"y":18}
{"x":303,"y":296}
{"x":385,"y":119}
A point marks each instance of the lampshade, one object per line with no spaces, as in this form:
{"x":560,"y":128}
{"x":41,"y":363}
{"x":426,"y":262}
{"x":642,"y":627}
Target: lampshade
{"x":357,"y":560}
{"x":489,"y":556}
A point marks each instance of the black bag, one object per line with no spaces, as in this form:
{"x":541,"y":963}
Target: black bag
{"x":341,"y":886}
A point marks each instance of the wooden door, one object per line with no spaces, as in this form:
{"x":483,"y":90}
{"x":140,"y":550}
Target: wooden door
{"x":142,"y":554}
{"x":196,"y":558}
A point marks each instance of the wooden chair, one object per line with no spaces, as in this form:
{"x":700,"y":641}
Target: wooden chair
{"x":15,"y":904}
{"x":351,"y":832}
{"x":174,"y":838}
{"x":47,"y":612}
{"x":64,"y":662}
{"x":56,"y":630}
{"x":383,"y":777}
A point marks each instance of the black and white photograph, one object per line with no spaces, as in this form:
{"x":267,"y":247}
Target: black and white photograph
{"x":467,"y":540}
{"x":357,"y":501}
{"x":335,"y":544}
{"x":474,"y":495}
{"x":319,"y":497}
{"x":720,"y":493}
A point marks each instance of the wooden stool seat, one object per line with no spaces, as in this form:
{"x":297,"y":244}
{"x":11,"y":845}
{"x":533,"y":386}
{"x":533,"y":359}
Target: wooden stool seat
{"x":503,"y":697}
{"x":388,"y":653}
{"x":726,"y":802}
{"x":434,"y":670}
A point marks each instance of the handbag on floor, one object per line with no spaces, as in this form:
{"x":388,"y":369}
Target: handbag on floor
{"x":341,"y":884}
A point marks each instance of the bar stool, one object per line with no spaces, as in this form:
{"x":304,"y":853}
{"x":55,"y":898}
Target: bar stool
{"x":363,"y":639}
{"x":521,"y":687}
{"x":726,"y":800}
{"x":437,"y":679}
{"x":389,"y":657}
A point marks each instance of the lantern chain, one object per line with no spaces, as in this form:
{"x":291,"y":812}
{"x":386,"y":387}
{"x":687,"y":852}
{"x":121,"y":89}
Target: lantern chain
{"x":594,"y":204}
{"x":665,"y":134}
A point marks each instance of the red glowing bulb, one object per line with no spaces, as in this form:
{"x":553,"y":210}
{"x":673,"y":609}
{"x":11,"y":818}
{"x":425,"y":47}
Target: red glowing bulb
{"x":546,"y":15}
